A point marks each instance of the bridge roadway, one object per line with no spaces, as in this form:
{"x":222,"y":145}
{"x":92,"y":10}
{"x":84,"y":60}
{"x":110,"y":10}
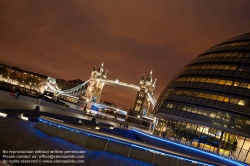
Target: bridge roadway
{"x":12,"y":103}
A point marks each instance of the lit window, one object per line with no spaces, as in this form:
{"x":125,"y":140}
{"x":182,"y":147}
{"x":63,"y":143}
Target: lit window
{"x":236,"y":83}
{"x":184,"y":108}
{"x":139,"y":101}
{"x":204,"y":80}
{"x":239,"y":121}
{"x":234,"y":101}
{"x":248,"y":86}
{"x":226,"y":67}
{"x":233,"y":68}
{"x":202,"y":95}
{"x":204,"y":67}
{"x":170,"y":106}
{"x":214,"y":67}
{"x":195,"y":79}
{"x":241,"y":102}
{"x":198,"y":80}
{"x":220,"y":67}
{"x":222,"y":82}
{"x":213,"y":97}
{"x":189,"y":109}
{"x":226,"y":99}
{"x":194,"y":110}
{"x":243,"y":85}
{"x":229,"y":83}
{"x":212,"y":115}
{"x":200,"y":111}
{"x":215,"y":81}
{"x":207,"y":96}
{"x":141,"y":94}
{"x":209,"y":80}
{"x":206,"y":113}
{"x":137,"y":108}
{"x":220,"y":98}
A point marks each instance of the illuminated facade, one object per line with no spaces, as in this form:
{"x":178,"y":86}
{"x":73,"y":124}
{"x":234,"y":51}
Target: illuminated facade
{"x":207,"y":104}
{"x":94,"y":89}
{"x":142,"y":102}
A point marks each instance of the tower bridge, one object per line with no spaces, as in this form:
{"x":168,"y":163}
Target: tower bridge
{"x":98,"y":78}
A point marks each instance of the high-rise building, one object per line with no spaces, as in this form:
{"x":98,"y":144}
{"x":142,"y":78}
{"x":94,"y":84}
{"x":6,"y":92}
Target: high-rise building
{"x":207,"y":104}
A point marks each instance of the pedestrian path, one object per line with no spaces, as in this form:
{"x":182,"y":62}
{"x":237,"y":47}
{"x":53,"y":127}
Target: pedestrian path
{"x":128,"y":134}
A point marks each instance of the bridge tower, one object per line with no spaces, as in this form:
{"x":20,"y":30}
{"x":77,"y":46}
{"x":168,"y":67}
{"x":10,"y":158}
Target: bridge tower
{"x":142,"y":102}
{"x":94,"y":89}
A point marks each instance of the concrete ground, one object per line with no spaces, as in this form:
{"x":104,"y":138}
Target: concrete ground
{"x":12,"y":103}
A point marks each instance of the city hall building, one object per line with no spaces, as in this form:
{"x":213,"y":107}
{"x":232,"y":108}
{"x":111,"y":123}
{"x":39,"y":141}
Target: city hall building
{"x":207,"y":104}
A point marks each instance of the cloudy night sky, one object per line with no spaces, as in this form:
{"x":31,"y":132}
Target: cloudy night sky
{"x":66,"y":39}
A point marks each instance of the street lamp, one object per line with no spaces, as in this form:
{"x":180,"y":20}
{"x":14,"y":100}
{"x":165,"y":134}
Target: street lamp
{"x":138,"y":117}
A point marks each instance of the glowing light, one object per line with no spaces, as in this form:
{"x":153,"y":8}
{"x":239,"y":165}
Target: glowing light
{"x":24,"y":118}
{"x":111,"y":127}
{"x":190,"y":148}
{"x":3,"y":114}
{"x":97,"y":128}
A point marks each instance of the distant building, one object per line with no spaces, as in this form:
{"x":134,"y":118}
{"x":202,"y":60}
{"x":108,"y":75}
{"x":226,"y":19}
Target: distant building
{"x":22,"y":76}
{"x":207,"y":104}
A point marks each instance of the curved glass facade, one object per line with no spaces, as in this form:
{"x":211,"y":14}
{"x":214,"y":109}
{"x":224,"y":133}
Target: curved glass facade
{"x":212,"y":91}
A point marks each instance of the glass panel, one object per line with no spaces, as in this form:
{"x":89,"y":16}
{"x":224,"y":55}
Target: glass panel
{"x":215,"y":81}
{"x":184,"y":108}
{"x":201,"y":95}
{"x":209,"y":80}
{"x":241,"y":102}
{"x":220,"y":98}
{"x":194,"y":110}
{"x":207,"y":96}
{"x":243,"y":85}
{"x":212,"y":114}
{"x":226,"y":99}
{"x":189,"y":109}
{"x":200,"y":111}
{"x":213,"y":97}
{"x":241,"y":68}
{"x":236,"y":83}
{"x":233,"y":68}
{"x":222,"y":82}
{"x":198,"y":80}
{"x":234,"y":101}
{"x":234,"y":54}
{"x":226,"y":68}
{"x":204,"y":80}
{"x":206,"y":113}
{"x":229,"y":83}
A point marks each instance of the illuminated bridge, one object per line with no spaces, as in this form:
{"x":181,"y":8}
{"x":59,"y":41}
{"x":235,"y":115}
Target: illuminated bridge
{"x":91,"y":90}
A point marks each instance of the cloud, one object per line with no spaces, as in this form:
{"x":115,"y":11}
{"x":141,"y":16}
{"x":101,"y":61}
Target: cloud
{"x":66,"y":39}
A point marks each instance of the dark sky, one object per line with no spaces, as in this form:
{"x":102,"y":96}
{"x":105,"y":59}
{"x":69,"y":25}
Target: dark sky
{"x":66,"y":39}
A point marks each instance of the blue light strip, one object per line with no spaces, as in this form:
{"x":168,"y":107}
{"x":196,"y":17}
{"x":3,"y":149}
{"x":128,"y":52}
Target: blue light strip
{"x":190,"y":148}
{"x":129,"y":144}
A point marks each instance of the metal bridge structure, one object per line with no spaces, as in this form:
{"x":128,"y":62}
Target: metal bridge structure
{"x":91,"y":90}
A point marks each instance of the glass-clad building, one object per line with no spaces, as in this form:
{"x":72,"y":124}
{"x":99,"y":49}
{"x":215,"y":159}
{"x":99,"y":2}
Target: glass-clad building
{"x":207,"y":104}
